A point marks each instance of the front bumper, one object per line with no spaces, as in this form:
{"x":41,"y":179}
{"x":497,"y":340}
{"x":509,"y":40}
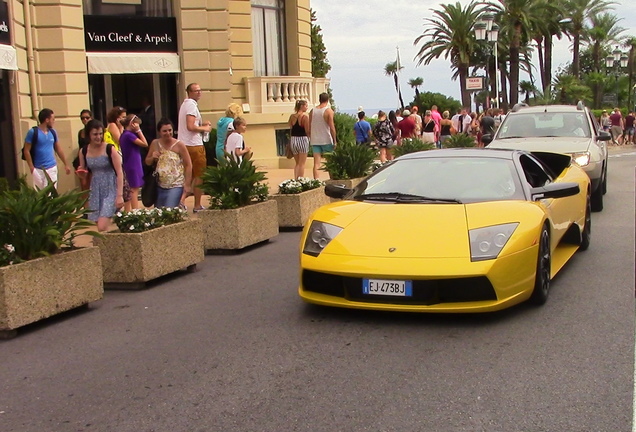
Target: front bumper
{"x":439,"y":284}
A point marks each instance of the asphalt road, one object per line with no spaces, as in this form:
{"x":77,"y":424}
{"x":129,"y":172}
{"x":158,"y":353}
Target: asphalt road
{"x":232,"y":348}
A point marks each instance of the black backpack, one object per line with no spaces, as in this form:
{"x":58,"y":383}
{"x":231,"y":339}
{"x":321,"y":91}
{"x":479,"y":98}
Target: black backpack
{"x":109,"y":151}
{"x":34,"y":141}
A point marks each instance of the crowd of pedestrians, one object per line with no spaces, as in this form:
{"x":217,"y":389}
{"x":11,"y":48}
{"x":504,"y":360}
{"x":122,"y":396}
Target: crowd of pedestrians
{"x":112,"y":159}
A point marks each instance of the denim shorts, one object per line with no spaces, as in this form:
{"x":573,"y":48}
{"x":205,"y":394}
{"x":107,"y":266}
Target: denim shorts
{"x":168,"y":197}
{"x":325,"y":148}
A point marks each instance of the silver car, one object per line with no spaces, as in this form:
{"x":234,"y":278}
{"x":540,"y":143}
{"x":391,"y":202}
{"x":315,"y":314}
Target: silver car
{"x":570,"y":129}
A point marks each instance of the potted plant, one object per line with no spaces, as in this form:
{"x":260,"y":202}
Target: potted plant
{"x":411,"y":145}
{"x":149,"y":243}
{"x":349,"y":163}
{"x":240,"y":213}
{"x":460,"y":140}
{"x":297,"y":200}
{"x":41,"y":272}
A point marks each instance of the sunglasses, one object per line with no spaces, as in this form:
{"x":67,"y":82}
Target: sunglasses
{"x":85,"y":118}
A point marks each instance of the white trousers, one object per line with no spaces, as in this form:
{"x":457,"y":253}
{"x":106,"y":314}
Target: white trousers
{"x":39,"y":179}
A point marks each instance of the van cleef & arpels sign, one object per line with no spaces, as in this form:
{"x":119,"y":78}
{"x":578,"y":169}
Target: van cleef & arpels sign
{"x":130,"y":34}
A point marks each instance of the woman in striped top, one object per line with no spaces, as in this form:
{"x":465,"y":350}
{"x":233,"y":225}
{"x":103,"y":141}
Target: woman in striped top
{"x":299,"y":131}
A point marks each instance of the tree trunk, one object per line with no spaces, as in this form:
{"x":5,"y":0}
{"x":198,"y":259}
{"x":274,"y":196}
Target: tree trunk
{"x":504,"y":87}
{"x":547,"y":71}
{"x":514,"y":65}
{"x":541,"y":64}
{"x":463,"y":74}
{"x":575,"y":53}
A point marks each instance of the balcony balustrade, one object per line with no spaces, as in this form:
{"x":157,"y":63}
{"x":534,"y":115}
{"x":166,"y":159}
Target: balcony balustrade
{"x":276,"y":94}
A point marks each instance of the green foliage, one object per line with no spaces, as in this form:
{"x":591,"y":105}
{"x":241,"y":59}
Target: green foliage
{"x":444,"y":103}
{"x":319,"y":63}
{"x":349,"y":161}
{"x":232,"y":184}
{"x":344,"y":128}
{"x":39,"y":223}
{"x":4,"y":184}
{"x":7,"y":255}
{"x":296,"y":186}
{"x":460,"y":140}
{"x":210,"y":148}
{"x":140,"y":220}
{"x":411,"y":145}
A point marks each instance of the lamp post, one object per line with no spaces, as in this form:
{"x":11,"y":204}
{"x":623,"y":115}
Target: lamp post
{"x":618,"y":60}
{"x":486,"y":29}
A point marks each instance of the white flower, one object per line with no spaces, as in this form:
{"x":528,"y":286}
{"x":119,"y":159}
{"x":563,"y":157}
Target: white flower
{"x":132,"y":227}
{"x":10,"y":248}
{"x":147,"y":224}
{"x":236,"y":190}
{"x":118,"y":214}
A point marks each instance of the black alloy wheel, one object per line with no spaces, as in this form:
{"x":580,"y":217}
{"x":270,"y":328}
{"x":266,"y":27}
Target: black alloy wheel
{"x":542,"y":277}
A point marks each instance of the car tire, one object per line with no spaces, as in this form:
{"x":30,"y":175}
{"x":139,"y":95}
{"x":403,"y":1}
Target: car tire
{"x":586,"y":234}
{"x":597,"y":199}
{"x":542,"y":276}
{"x":604,"y":183}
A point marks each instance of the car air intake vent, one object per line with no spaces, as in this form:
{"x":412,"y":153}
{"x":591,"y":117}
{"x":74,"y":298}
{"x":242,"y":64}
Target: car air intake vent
{"x":425,"y":292}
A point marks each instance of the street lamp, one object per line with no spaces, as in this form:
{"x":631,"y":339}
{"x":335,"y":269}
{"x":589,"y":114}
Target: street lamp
{"x":618,"y":60}
{"x":486,"y":29}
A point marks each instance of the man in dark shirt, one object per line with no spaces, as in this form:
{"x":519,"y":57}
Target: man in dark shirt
{"x":628,"y":134}
{"x":616,"y":119}
{"x":407,"y":125}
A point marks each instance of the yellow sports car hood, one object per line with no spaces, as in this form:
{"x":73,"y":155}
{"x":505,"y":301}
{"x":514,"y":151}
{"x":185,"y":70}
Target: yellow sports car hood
{"x":415,"y":230}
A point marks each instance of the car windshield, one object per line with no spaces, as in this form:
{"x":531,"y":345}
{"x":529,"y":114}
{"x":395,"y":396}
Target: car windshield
{"x":545,"y":124}
{"x":443,"y":180}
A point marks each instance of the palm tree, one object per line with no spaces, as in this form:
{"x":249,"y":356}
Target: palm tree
{"x":527,"y":87}
{"x":392,"y":69}
{"x":602,"y":32}
{"x":581,"y":11}
{"x":415,"y":83}
{"x":519,"y":19}
{"x":630,"y":43}
{"x":450,"y":33}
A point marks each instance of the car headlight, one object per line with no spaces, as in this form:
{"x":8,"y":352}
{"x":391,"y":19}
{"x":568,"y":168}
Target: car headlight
{"x":487,"y":242}
{"x":581,"y":159}
{"x":319,"y":236}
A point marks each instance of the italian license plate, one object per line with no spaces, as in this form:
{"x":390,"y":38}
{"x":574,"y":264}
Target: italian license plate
{"x":387,"y":287}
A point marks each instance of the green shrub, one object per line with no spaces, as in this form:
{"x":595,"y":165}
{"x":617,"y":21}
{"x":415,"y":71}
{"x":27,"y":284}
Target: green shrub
{"x":38,"y":223}
{"x":344,"y":128}
{"x":231,"y":184}
{"x":4,"y":184}
{"x":411,"y":145}
{"x":459,"y":140}
{"x":349,"y":161}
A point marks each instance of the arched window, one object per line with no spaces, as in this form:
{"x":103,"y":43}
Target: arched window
{"x":146,"y":8}
{"x":268,"y":35}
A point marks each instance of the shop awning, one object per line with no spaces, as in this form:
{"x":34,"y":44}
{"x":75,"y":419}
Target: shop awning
{"x":8,"y":58}
{"x":123,"y":63}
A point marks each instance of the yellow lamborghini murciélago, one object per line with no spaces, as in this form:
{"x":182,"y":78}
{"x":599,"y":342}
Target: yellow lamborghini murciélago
{"x":457,"y":230}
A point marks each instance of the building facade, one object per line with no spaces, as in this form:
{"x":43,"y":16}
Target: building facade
{"x":68,"y":55}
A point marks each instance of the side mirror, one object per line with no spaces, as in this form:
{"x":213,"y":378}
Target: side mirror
{"x":555,"y":190}
{"x":604,"y":136}
{"x":337,"y":191}
{"x":486,"y":139}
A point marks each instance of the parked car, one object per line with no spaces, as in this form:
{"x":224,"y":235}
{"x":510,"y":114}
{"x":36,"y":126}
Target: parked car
{"x":570,"y":129}
{"x":453,"y":230}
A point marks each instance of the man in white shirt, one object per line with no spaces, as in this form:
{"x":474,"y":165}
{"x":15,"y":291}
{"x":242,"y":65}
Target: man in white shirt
{"x":190,"y":132}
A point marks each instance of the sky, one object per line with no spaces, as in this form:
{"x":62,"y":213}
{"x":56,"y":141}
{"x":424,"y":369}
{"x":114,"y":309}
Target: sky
{"x":362,"y":37}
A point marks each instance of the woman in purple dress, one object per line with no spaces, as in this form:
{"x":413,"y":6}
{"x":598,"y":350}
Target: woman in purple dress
{"x":131,"y":142}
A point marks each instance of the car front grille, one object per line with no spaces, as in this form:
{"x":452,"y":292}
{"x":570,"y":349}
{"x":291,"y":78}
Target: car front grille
{"x":425,"y":292}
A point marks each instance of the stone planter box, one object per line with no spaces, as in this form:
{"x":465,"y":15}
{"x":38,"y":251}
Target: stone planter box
{"x":235,"y":229}
{"x":129,"y":260}
{"x":348,"y":183}
{"x":295,"y":209}
{"x":43,"y":287}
